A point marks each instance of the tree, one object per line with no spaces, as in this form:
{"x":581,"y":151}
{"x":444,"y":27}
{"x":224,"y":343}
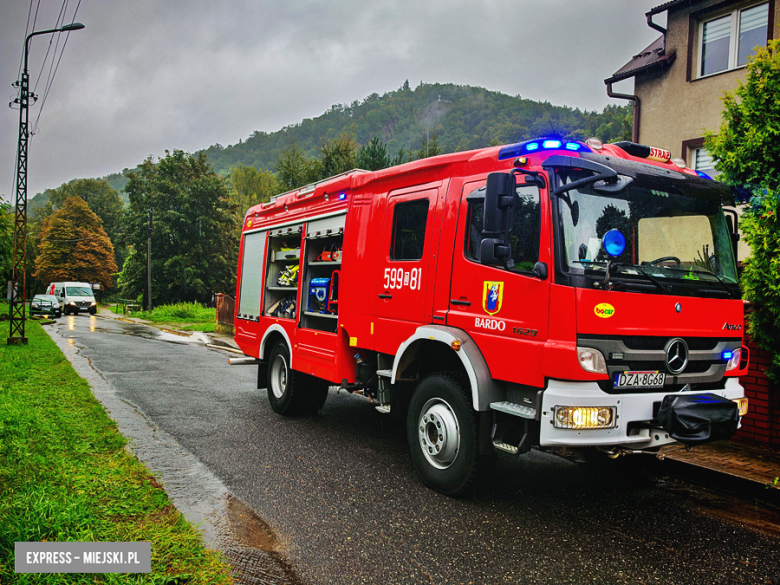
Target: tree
{"x":429,"y":145}
{"x":251,"y":186}
{"x":337,"y":156}
{"x":6,"y":240}
{"x":292,"y":167}
{"x":746,"y":146}
{"x":761,"y":274}
{"x":74,"y":246}
{"x":194,"y":232}
{"x":373,"y":156}
{"x":102,"y":200}
{"x":748,"y":158}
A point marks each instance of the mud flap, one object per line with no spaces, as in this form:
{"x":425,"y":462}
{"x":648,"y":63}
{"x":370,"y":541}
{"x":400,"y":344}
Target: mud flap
{"x":698,"y":418}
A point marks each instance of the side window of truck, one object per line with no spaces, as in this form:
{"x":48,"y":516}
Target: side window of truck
{"x":526,"y":230}
{"x":409,"y":221}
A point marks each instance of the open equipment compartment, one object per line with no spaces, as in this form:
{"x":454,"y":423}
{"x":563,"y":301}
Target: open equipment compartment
{"x":283,"y":272}
{"x":319,"y":297}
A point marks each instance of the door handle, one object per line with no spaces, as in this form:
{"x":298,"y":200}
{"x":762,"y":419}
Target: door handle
{"x":385,"y":296}
{"x":457,"y":302}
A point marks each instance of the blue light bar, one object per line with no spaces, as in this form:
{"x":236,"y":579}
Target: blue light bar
{"x":342,"y":196}
{"x":704,"y":175}
{"x":530,"y":146}
{"x":727,"y":355}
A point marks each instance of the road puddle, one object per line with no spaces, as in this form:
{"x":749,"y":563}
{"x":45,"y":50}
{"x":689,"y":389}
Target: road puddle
{"x":226,"y":522}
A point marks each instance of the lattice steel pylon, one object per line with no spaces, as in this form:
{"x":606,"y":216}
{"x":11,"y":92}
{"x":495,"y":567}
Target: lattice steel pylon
{"x":19,"y":263}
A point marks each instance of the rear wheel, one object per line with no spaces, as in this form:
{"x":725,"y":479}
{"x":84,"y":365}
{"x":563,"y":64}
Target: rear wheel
{"x":442,"y":430}
{"x":291,"y":392}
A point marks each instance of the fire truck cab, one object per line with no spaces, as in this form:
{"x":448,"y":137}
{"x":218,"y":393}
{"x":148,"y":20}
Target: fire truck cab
{"x":543,"y":294}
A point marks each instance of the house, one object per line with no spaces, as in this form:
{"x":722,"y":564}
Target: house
{"x":679,"y":79}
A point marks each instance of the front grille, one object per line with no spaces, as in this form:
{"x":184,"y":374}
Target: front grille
{"x":642,"y":342}
{"x":84,"y":304}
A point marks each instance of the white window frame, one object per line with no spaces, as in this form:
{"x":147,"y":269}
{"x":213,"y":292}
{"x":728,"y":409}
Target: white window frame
{"x":711,"y":171}
{"x":736,"y":16}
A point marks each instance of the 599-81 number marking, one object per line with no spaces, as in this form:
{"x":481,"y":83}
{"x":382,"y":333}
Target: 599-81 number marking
{"x":400,"y":278}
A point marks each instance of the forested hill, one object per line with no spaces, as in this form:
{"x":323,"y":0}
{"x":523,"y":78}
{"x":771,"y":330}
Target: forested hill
{"x":463,"y":118}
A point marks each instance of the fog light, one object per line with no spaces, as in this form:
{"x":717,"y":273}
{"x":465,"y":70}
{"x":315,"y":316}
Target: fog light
{"x":584,"y":417}
{"x":742,"y":405}
{"x":734,"y":358}
{"x":592,"y":360}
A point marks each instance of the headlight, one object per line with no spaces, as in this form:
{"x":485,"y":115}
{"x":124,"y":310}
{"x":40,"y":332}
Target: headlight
{"x":742,"y":405}
{"x":733,"y":362}
{"x":72,"y":303}
{"x":592,"y":360}
{"x":584,"y":417}
{"x":92,"y":303}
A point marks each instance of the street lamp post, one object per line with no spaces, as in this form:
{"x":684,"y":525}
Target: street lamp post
{"x":19,"y":263}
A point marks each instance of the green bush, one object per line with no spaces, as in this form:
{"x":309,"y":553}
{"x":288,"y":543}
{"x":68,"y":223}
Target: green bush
{"x":748,"y":158}
{"x":761,"y":274}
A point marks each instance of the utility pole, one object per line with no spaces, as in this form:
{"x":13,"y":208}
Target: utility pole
{"x":19,"y":262}
{"x":149,"y":261}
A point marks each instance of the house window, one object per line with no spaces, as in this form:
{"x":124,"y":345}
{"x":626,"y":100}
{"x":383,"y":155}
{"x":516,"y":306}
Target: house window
{"x":728,"y":41}
{"x":703,"y":161}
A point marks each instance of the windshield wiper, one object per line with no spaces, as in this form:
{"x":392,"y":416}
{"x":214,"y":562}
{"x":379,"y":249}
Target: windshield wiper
{"x":610,"y":264}
{"x":649,"y":277}
{"x":697,"y":270}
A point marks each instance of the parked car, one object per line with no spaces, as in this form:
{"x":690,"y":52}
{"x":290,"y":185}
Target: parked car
{"x":45,"y":305}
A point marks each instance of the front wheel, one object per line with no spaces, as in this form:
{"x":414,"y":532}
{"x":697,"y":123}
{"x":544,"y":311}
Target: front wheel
{"x":291,"y":392}
{"x":442,"y":430}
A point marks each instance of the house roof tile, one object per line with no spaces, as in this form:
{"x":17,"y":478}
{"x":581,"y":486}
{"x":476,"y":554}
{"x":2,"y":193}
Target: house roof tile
{"x":651,"y":57}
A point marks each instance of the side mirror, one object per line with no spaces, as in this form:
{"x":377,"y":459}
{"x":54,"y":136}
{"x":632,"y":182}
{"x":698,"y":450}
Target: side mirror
{"x":499,"y":202}
{"x":540,"y":270}
{"x":497,"y":219}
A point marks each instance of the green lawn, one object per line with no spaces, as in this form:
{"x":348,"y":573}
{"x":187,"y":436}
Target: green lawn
{"x":179,"y":313}
{"x":65,"y":476}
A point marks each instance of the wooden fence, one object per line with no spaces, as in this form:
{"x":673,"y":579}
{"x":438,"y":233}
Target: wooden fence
{"x":225,"y":310}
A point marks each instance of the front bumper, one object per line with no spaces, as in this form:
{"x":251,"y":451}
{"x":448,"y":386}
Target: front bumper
{"x":634,"y":412}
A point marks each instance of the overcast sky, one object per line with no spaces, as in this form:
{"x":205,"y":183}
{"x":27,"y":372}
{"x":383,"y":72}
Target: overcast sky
{"x":150,"y":75}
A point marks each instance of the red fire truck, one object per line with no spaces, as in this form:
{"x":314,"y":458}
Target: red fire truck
{"x":544,"y":294}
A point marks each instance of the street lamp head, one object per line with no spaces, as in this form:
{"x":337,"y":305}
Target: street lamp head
{"x":72,"y":26}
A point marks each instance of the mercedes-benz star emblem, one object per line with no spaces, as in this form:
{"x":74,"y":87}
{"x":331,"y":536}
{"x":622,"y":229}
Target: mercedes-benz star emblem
{"x":678,"y":307}
{"x":676,"y":355}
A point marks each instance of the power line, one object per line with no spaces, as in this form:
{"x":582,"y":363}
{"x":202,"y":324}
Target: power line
{"x":51,"y":39}
{"x":49,"y":84}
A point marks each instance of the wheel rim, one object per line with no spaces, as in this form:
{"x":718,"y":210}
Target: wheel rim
{"x":279,"y":376}
{"x":439,"y":433}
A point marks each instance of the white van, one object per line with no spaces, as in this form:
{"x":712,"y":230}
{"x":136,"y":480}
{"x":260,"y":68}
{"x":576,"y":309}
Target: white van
{"x":74,"y":297}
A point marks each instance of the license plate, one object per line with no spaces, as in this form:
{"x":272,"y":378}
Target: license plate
{"x":640,"y":380}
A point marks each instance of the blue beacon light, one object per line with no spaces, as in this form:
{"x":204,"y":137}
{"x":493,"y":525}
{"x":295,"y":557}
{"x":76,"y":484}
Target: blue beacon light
{"x":614,"y":243}
{"x":727,"y":355}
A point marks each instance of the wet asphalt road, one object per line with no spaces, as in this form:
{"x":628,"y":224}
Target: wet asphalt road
{"x":342,"y":497}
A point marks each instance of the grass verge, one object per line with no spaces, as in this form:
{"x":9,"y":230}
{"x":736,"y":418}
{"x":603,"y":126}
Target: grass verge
{"x":179,"y":313}
{"x":65,"y":476}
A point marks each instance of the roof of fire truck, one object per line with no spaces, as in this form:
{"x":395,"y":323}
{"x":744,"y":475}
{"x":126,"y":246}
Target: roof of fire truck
{"x":331,"y":192}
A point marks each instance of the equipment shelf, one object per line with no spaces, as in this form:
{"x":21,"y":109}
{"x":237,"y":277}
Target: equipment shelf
{"x":324,"y":315}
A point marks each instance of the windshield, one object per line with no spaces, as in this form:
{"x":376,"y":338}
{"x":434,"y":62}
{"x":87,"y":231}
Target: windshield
{"x":78,"y":291}
{"x":671,"y":239}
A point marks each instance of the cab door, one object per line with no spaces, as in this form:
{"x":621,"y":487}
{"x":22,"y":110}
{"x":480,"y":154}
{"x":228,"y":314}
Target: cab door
{"x":505,"y":311}
{"x":403,"y":263}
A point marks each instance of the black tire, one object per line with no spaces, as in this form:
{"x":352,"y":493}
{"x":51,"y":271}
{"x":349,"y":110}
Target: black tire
{"x":93,"y":310}
{"x":447,"y":461}
{"x":291,"y":392}
{"x":66,"y":311}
